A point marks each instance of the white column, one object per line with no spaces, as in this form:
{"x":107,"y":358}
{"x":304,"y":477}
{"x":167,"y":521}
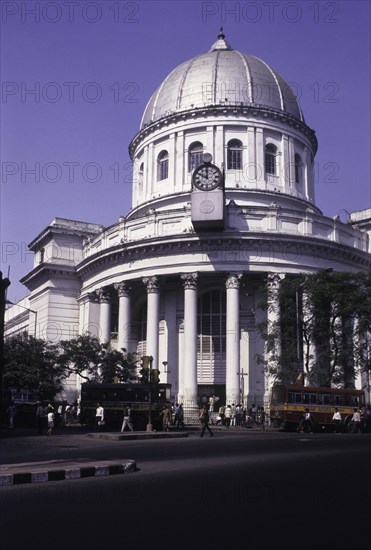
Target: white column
{"x":190,"y":339}
{"x":124,"y":322}
{"x":179,"y":163}
{"x":233,"y":339}
{"x":104,"y":315}
{"x":152,"y":172}
{"x":260,"y":164}
{"x":291,"y":162}
{"x":153,"y":313}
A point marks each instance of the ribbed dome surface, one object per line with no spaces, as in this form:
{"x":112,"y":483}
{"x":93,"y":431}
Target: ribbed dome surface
{"x":222,"y":76}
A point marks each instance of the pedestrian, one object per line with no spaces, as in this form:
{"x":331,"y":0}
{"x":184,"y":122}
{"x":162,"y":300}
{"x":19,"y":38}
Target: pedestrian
{"x":211,"y":408}
{"x":220,"y":418}
{"x":336,"y":417}
{"x":306,"y":422}
{"x":204,"y":419}
{"x":179,"y":416}
{"x":261,"y":417}
{"x":40,"y":417}
{"x":99,"y":417}
{"x":166,"y":418}
{"x":227,"y":416}
{"x":12,"y":411}
{"x":356,"y":421}
{"x":127,"y":419}
{"x":50,"y":417}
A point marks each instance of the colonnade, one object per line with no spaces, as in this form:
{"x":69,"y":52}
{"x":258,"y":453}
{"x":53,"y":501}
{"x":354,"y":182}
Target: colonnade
{"x":187,"y":371}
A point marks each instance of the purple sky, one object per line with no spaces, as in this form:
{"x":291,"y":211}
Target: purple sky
{"x":94,"y":65}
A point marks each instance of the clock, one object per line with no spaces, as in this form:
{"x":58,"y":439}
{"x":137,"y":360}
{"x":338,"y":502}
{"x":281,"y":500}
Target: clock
{"x":207,"y":177}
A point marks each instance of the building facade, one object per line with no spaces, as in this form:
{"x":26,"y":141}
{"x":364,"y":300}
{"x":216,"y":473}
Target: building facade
{"x":179,"y":278}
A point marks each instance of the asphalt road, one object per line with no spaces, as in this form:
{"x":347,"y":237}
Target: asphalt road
{"x":262,"y":490}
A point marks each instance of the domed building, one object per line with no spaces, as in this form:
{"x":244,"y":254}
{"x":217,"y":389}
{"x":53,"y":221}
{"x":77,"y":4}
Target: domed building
{"x":223,"y":200}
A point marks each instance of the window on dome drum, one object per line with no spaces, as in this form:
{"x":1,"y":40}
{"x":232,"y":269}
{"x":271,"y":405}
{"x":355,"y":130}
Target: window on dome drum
{"x":298,"y":169}
{"x":163,"y":166}
{"x":270,"y":159}
{"x":195,"y":152}
{"x":234,"y":155}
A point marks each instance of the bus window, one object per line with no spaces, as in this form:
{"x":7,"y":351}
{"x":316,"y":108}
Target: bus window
{"x":306,"y":398}
{"x":338,"y":400}
{"x":313,"y":399}
{"x":326,"y":399}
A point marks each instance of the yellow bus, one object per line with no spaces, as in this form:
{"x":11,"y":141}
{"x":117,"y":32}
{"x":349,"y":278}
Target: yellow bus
{"x":288,"y":403}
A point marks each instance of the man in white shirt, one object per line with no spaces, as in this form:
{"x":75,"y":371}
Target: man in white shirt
{"x":337,"y":420}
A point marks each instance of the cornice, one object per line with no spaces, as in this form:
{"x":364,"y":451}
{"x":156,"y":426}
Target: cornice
{"x":47,"y":271}
{"x":233,"y":242}
{"x":237,"y":110}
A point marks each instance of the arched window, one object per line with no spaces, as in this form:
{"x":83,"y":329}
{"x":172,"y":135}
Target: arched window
{"x":270,"y":159}
{"x":163,"y":166}
{"x":195,"y":152}
{"x":298,"y":169}
{"x":234,"y":155}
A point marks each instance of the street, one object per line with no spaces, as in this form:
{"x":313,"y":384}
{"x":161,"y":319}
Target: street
{"x":257,"y":489}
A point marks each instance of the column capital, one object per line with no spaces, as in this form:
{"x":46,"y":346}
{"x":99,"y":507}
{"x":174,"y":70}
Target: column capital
{"x":104,"y":296}
{"x":233,"y":280}
{"x":189,"y":280}
{"x":123,"y":289}
{"x":152,"y":284}
{"x":274,"y":279}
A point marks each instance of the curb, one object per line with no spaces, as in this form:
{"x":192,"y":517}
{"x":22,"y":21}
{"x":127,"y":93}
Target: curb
{"x":38,"y":473}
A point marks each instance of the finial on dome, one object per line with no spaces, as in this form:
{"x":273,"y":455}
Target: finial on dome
{"x":221,"y":43}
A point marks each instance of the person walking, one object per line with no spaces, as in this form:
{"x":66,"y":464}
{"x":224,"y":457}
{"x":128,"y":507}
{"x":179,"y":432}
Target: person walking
{"x":336,"y":418}
{"x":227,"y":416}
{"x":356,"y":421}
{"x":99,"y":417}
{"x":127,"y":419}
{"x":179,"y":416}
{"x":12,"y":411}
{"x":166,"y":418}
{"x":50,"y":417}
{"x":204,"y":419}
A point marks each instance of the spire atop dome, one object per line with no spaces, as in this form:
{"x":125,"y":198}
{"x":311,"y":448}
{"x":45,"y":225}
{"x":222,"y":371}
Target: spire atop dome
{"x":221,"y":43}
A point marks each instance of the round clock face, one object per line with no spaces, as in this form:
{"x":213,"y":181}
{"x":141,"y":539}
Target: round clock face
{"x":207,"y":177}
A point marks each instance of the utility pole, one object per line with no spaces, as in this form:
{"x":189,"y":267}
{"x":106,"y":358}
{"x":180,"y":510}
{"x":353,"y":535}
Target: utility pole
{"x":149,"y":425}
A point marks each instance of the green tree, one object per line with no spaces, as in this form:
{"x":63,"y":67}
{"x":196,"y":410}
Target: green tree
{"x":327,"y":312}
{"x":33,"y":363}
{"x":86,"y":356}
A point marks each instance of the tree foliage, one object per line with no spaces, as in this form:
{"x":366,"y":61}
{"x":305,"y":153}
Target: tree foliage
{"x":322,"y":330}
{"x":33,"y":363}
{"x":43,"y":366}
{"x":97,"y":362}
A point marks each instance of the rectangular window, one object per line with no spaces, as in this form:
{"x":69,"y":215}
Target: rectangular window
{"x":234,"y":159}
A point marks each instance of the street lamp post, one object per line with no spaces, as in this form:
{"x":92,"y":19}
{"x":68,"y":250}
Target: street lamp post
{"x":149,"y":425}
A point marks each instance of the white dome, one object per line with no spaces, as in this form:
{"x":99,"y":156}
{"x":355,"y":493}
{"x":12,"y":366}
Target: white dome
{"x":222,"y":76}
